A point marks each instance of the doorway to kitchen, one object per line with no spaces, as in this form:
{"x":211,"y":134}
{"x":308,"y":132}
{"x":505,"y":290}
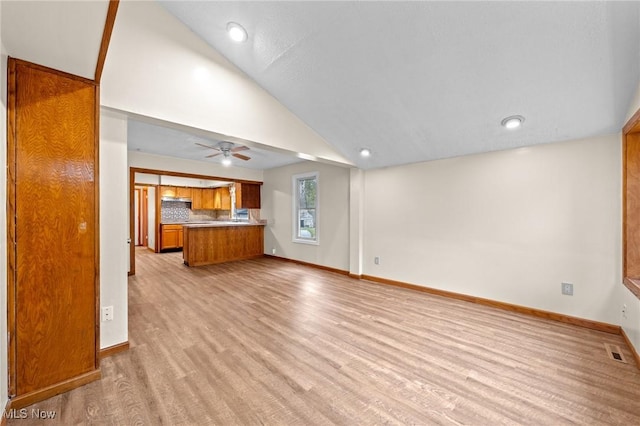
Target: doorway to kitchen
{"x":160,"y":201}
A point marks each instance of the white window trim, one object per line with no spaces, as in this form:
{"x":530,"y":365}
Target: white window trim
{"x":294,"y":204}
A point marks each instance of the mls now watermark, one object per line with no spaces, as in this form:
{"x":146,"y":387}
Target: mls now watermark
{"x":34,"y":413}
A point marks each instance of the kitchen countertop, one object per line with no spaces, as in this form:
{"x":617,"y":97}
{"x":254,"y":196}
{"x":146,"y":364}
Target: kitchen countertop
{"x":215,"y":224}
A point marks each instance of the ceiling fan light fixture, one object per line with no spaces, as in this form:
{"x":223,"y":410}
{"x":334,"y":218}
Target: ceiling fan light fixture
{"x":237,"y":32}
{"x":226,"y":161}
{"x":365,"y":152}
{"x":512,"y":122}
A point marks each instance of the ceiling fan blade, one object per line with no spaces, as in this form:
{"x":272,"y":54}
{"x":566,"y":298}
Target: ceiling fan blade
{"x":207,"y":146}
{"x":239,"y":148}
{"x":242,"y":157}
{"x":213,"y":155}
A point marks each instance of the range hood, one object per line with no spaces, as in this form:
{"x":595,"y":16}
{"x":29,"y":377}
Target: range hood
{"x":177,"y":199}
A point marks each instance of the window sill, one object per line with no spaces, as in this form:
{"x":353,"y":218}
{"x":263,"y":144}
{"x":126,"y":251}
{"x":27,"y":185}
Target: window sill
{"x":309,"y":242}
{"x":633,"y":284}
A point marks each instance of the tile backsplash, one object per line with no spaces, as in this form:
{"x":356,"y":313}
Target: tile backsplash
{"x":174,"y":211}
{"x":177,"y":211}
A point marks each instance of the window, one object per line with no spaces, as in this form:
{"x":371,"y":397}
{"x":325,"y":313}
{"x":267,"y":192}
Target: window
{"x":305,"y":208}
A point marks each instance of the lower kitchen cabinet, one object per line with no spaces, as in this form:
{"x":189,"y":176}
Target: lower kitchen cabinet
{"x":171,"y":237}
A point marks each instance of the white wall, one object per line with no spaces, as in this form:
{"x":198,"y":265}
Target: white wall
{"x":3,"y":220}
{"x":157,"y":67}
{"x":147,"y":179}
{"x":333,"y":193}
{"x":114,"y":226}
{"x":508,"y":226}
{"x":159,"y":162}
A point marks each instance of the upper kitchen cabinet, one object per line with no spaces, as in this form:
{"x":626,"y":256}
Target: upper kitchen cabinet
{"x":196,"y":198}
{"x":247,"y":195}
{"x":168,"y":191}
{"x":208,"y":199}
{"x":222,"y":199}
{"x":175,"y":192}
{"x":182,"y":192}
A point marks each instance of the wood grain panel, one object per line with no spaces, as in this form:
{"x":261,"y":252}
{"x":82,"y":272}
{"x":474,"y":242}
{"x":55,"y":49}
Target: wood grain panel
{"x":196,"y":198}
{"x":631,"y":206}
{"x":183,"y":192}
{"x":249,"y":196}
{"x":269,"y":342}
{"x":56,"y":229}
{"x":106,"y":38}
{"x":218,"y":244}
{"x":208,"y":198}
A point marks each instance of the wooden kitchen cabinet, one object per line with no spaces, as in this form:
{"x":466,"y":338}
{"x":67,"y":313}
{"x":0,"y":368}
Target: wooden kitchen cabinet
{"x":208,"y":199}
{"x":196,"y":198}
{"x":222,"y":199}
{"x":183,"y":192}
{"x":247,"y":195}
{"x":168,"y":191}
{"x":172,"y":237}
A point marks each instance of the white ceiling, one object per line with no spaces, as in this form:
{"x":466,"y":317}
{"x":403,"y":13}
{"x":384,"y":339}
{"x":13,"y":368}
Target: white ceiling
{"x":63,"y":35}
{"x":417,"y":81}
{"x":181,"y":143}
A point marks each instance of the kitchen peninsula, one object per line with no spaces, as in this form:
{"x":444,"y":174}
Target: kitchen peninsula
{"x":218,"y":242}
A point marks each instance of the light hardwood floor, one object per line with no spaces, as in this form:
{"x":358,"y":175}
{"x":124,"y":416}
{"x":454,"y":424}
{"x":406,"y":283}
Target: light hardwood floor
{"x":270,"y":342}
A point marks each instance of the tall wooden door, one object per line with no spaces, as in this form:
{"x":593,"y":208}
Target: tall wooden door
{"x":53,"y":172}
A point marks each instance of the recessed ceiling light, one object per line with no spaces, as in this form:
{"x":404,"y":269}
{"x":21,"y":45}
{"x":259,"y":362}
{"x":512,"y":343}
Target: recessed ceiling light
{"x":365,"y":152}
{"x":226,"y":161}
{"x":513,"y":122}
{"x":236,"y":32}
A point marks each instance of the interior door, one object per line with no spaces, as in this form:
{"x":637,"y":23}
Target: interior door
{"x":53,"y":282}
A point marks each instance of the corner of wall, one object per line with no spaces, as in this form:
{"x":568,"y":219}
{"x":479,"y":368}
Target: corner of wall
{"x":114,"y":226}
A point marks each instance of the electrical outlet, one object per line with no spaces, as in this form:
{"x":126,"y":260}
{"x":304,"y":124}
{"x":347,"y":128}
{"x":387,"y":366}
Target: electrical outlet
{"x":107,"y":313}
{"x":567,"y":289}
{"x":376,"y":260}
{"x":624,"y":311}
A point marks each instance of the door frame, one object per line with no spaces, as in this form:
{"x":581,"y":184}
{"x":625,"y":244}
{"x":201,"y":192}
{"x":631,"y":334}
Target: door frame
{"x":132,"y":186}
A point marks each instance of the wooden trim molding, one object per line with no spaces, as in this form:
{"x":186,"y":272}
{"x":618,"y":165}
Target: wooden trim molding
{"x":312,"y":265}
{"x":633,"y":125}
{"x":11,"y":224}
{"x":106,"y":37}
{"x":53,"y":390}
{"x":51,"y":71}
{"x":594,"y":325}
{"x":630,"y":199}
{"x":192,"y":175}
{"x":132,"y":213}
{"x":633,"y":285}
{"x":115,"y":349}
{"x":631,"y":347}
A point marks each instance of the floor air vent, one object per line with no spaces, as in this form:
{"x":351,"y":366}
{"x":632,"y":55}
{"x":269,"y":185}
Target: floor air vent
{"x":614,"y":353}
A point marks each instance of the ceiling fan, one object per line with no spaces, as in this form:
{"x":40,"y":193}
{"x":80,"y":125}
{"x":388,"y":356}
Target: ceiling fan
{"x":227,"y":149}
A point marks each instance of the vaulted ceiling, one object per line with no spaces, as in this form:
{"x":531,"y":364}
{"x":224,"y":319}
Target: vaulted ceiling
{"x":412,"y":81}
{"x":416,"y":81}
